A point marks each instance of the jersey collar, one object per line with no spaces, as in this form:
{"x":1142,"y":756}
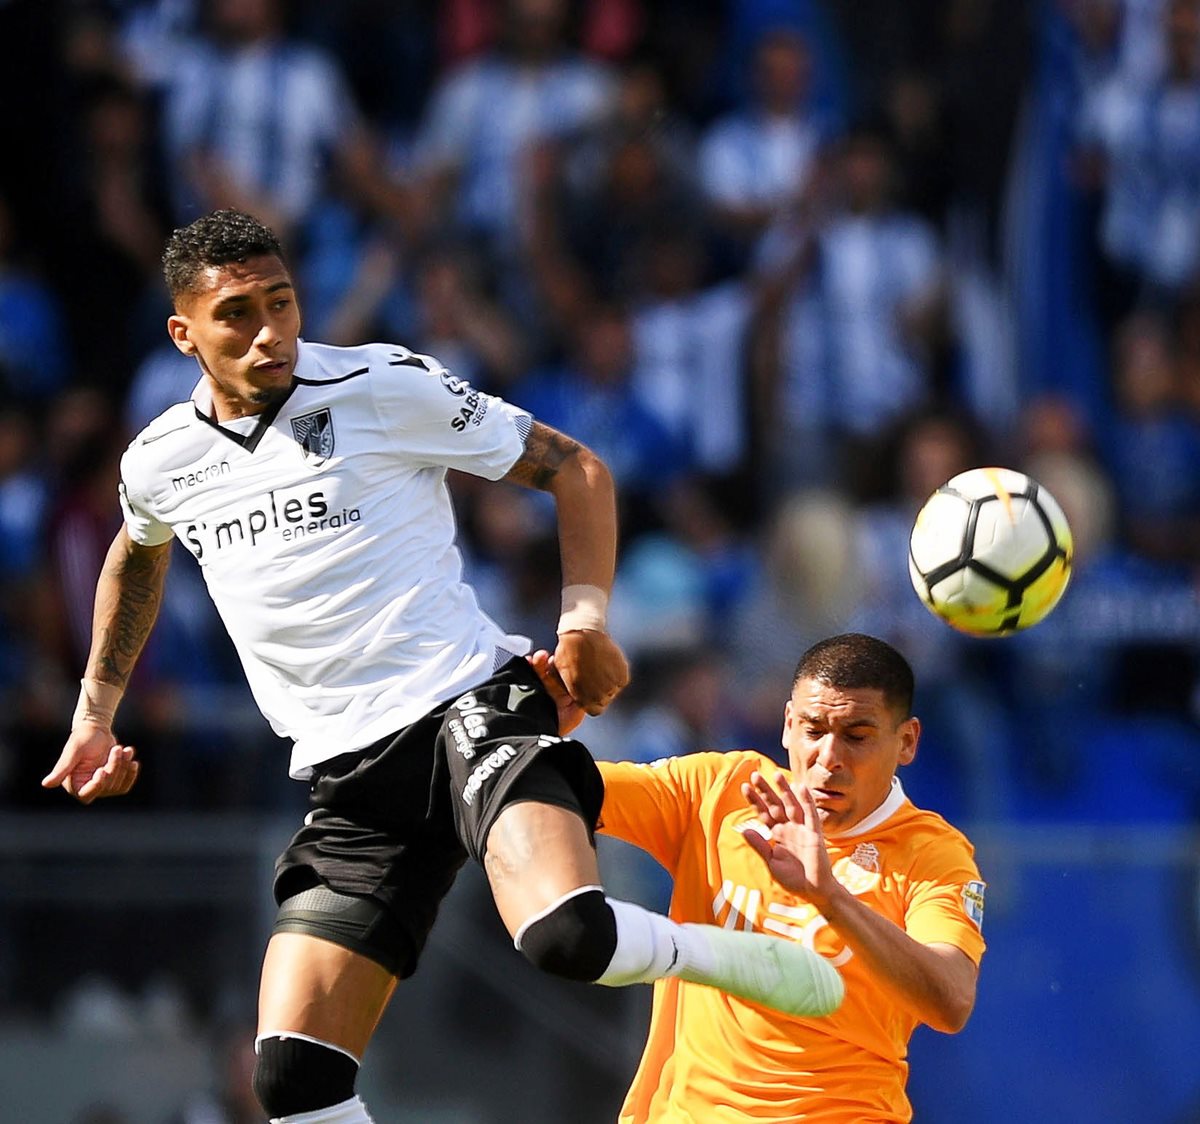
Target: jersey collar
{"x":889,"y":807}
{"x":203,"y":404}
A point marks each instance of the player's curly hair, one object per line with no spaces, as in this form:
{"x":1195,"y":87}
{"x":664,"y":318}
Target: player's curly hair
{"x":855,"y":661}
{"x":216,"y":239}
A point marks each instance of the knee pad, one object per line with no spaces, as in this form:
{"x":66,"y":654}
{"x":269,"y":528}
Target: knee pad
{"x":575,"y":938}
{"x":295,"y":1075}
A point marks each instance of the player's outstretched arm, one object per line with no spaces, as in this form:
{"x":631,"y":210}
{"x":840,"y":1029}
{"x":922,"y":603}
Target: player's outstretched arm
{"x":93,"y":764}
{"x":937,"y":982}
{"x":593,"y":668}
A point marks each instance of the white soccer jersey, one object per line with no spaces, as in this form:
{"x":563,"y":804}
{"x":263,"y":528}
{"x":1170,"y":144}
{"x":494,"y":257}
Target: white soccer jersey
{"x":325,"y":533}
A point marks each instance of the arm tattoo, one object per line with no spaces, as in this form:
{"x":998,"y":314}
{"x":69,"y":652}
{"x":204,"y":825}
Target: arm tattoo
{"x":135,"y":594}
{"x":545,"y":451}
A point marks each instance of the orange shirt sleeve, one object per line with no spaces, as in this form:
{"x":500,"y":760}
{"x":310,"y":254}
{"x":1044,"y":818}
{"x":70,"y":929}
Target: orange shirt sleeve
{"x":945,"y":904}
{"x":653,"y":806}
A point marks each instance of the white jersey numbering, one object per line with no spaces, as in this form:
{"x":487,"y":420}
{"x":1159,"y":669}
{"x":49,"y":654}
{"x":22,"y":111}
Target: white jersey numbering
{"x":326,"y":536}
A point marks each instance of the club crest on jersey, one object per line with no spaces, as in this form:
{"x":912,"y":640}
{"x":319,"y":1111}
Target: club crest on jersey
{"x":314,"y":432}
{"x":866,"y":855}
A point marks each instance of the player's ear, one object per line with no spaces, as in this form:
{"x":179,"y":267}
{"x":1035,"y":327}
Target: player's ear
{"x":787,"y":723}
{"x":910,"y":734}
{"x":178,"y":330}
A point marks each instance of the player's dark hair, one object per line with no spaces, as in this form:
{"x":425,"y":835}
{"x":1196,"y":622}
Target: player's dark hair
{"x":854,"y":661}
{"x":216,"y":239}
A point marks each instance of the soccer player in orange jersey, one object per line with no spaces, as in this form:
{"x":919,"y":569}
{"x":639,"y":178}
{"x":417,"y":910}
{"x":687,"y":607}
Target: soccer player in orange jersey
{"x":830,"y":853}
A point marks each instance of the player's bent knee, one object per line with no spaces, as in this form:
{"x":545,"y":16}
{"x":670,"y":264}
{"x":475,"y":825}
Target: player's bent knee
{"x":574,"y":938}
{"x":298,"y":1074}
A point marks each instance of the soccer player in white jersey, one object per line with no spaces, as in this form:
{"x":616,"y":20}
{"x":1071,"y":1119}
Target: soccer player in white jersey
{"x":309,"y":483}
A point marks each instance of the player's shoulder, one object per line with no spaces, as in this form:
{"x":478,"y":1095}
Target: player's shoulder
{"x":174,"y":419}
{"x":172,"y":439}
{"x":163,"y":434}
{"x":324,"y":364}
{"x":923,"y":833}
{"x":720,"y":768}
{"x":740,"y":763}
{"x":327,"y":364}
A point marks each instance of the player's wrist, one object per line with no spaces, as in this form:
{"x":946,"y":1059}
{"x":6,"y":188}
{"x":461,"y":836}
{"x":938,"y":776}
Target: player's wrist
{"x":830,"y":900}
{"x":97,"y":703}
{"x":584,"y":609}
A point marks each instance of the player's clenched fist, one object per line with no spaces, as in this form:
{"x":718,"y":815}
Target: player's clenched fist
{"x":593,"y":668}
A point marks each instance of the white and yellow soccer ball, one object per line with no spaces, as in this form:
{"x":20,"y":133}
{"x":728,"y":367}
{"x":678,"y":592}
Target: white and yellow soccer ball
{"x":990,"y":552}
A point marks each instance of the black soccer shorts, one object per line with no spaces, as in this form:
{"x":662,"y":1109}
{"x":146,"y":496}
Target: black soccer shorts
{"x":395,"y":822}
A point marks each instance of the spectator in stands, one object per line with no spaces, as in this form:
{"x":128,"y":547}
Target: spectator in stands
{"x":1189,"y":351}
{"x":152,"y":36}
{"x":809,"y":583}
{"x":1155,"y":447}
{"x":916,"y":115}
{"x":257,"y":120}
{"x":87,"y":447}
{"x":485,"y":114}
{"x":590,"y":205}
{"x":115,"y":215}
{"x":622,"y":179}
{"x":754,"y":161}
{"x":593,"y":395}
{"x":439,"y":302}
{"x":24,"y":496}
{"x":687,"y":570}
{"x":689,"y":339}
{"x":862,"y":327}
{"x":1148,"y":139}
{"x":34,"y":361}
{"x":390,"y":52}
{"x":1057,"y":450}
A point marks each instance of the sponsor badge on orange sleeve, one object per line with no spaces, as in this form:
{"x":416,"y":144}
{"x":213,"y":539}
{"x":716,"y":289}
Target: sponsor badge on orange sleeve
{"x":972,"y":895}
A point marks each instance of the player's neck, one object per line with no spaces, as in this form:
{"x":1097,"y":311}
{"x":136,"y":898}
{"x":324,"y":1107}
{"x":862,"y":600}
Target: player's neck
{"x":225,"y":406}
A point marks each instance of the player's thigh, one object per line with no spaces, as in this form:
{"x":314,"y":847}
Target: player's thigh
{"x":537,"y":853}
{"x":324,"y":990}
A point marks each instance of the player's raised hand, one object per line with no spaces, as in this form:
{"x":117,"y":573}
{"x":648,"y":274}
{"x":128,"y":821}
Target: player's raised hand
{"x":795,"y":852}
{"x":570,"y":713}
{"x":93,"y":765}
{"x":593,"y":668}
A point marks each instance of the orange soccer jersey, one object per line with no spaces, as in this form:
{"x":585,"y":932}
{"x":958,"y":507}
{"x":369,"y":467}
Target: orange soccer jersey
{"x":710,"y":1057}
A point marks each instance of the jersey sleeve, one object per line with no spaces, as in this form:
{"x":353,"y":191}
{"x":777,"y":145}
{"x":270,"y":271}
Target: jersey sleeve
{"x":141,"y":523}
{"x":653,"y":805}
{"x":945,"y":903}
{"x":442,"y":420}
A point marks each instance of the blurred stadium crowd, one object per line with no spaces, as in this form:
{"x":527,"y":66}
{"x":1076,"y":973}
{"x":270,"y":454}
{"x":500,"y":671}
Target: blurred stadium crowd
{"x":787,"y":265}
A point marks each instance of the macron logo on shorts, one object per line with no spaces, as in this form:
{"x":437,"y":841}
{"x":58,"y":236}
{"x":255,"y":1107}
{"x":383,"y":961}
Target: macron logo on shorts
{"x":488,"y":767}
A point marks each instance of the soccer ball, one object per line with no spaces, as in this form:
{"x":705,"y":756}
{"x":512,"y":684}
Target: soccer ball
{"x":990,"y":552}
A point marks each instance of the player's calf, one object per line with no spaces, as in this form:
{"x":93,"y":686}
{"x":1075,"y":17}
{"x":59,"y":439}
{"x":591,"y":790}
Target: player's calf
{"x":300,"y":1080}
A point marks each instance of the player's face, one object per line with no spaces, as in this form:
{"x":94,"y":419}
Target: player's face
{"x":845,"y":745}
{"x":241,"y":324}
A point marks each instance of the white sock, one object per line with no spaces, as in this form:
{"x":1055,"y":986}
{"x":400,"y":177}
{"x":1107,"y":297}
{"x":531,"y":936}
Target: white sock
{"x":650,"y":946}
{"x":352,"y":1111}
